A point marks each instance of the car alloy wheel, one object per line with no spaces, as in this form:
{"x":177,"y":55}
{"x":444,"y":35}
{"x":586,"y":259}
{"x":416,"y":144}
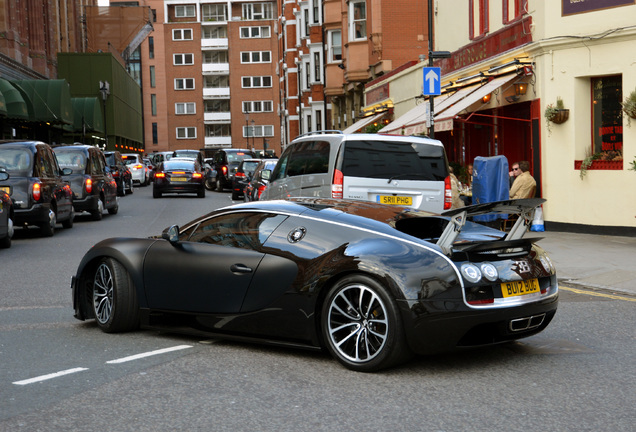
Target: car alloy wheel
{"x":362,"y":326}
{"x":99,"y":211}
{"x":114,"y":298}
{"x":47,"y":229}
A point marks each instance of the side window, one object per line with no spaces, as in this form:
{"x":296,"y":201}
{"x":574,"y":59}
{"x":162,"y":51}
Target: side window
{"x":239,"y":230}
{"x":47,"y":168}
{"x":311,"y":157}
{"x":280,"y":171}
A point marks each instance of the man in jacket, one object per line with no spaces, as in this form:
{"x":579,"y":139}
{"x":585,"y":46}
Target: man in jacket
{"x":524,"y":185}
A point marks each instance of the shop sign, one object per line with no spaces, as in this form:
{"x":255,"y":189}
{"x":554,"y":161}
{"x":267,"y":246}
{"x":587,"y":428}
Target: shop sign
{"x":571,"y":7}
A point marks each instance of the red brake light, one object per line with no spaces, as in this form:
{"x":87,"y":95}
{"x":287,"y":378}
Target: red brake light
{"x":224,"y":169}
{"x":240,"y":174}
{"x":139,"y":166}
{"x":160,"y":175}
{"x":336,"y":185}
{"x":197,"y":175}
{"x":89,"y":185}
{"x":448,"y":195}
{"x":37,"y":193}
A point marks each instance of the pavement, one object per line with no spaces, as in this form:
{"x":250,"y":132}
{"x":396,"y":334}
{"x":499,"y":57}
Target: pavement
{"x":599,"y":262}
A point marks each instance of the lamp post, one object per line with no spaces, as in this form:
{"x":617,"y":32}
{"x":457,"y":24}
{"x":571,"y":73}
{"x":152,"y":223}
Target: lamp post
{"x":247,"y":128}
{"x":431,"y":56}
{"x":252,"y":133}
{"x":104,"y":89}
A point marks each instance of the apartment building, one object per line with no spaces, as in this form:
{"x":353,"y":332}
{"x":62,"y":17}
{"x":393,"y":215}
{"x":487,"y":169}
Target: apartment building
{"x":209,"y":76}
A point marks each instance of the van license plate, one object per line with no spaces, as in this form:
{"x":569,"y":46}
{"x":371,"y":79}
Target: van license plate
{"x":179,"y":179}
{"x":519,"y":288}
{"x":396,"y":200}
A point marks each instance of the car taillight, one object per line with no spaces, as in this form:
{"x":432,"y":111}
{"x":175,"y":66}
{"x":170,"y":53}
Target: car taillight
{"x":89,"y":185}
{"x":37,"y":192}
{"x":260,"y":190}
{"x":197,"y":175}
{"x":448,"y":195}
{"x":336,"y":185}
{"x":160,"y":175}
{"x":240,"y":174}
{"x":138,"y":166}
{"x":115,"y":173}
{"x":224,"y":170}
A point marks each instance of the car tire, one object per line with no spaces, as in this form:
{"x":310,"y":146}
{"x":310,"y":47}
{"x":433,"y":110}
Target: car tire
{"x":361,"y":325}
{"x":156,"y":193}
{"x":98,"y":212}
{"x":47,"y":229}
{"x":235,"y":196}
{"x":5,"y":243}
{"x":209,"y":184}
{"x":68,"y":223}
{"x":114,"y":299}
{"x":130,"y":187}
{"x":121,"y":189}
{"x":114,"y":209}
{"x":201,"y":193}
{"x":219,"y":185}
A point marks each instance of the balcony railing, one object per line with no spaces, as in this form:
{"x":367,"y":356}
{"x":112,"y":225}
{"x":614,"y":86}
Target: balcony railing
{"x":216,"y":93}
{"x":216,"y":68}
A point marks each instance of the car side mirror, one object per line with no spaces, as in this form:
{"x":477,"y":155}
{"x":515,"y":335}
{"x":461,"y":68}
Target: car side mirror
{"x":4,"y":175}
{"x":171,"y":234}
{"x":265,"y":174}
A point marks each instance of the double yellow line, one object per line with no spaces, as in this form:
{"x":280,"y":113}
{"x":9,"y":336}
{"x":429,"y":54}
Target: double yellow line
{"x":597,"y":294}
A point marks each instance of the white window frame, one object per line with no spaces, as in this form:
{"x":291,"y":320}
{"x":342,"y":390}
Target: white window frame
{"x":256,"y":32}
{"x":187,"y":108}
{"x":185,"y":82}
{"x":256,"y":57}
{"x":316,"y":69}
{"x":184,"y":59}
{"x":185,"y":11}
{"x":215,"y":57}
{"x":332,"y":49}
{"x":353,"y":21}
{"x":258,"y":131}
{"x":257,"y":11}
{"x":187,"y":132}
{"x":256,"y":81}
{"x":181,"y":34}
{"x":258,"y":106}
{"x":210,"y":12}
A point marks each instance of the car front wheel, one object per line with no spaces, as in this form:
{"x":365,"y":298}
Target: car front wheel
{"x":361,"y":325}
{"x":114,"y":298}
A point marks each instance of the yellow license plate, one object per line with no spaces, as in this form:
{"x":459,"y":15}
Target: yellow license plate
{"x":519,"y":288}
{"x":396,"y":200}
{"x":7,"y":189}
{"x":179,"y":179}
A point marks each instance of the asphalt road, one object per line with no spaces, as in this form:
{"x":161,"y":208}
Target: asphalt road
{"x":60,"y":374}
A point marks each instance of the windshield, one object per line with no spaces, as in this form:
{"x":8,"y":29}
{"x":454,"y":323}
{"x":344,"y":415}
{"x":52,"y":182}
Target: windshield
{"x":237,"y":157}
{"x":75,"y":160}
{"x":182,"y":165}
{"x":192,"y":154}
{"x":16,"y":161}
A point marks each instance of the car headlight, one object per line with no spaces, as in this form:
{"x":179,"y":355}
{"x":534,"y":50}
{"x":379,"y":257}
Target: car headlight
{"x":489,"y":271}
{"x":471,"y":272}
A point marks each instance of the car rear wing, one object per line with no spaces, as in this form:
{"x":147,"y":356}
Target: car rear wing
{"x":524,"y":208}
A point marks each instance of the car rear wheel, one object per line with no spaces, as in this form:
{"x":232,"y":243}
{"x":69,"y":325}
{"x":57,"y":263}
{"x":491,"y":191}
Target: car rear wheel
{"x":130,"y":187}
{"x":114,"y":209}
{"x":68,"y":223}
{"x":156,"y":193}
{"x":209,"y":184}
{"x":361,"y":325}
{"x":5,"y":243}
{"x":219,"y":185}
{"x":97,"y":213}
{"x":114,"y":298}
{"x":47,"y":229}
{"x":201,"y":193}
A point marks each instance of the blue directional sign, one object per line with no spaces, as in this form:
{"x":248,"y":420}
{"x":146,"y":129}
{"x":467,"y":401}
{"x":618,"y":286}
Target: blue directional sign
{"x":432,"y":78}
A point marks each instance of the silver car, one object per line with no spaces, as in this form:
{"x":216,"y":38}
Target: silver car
{"x":137,"y":167}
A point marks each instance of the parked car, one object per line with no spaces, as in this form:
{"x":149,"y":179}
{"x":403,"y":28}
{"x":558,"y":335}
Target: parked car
{"x":242,"y":176}
{"x":94,"y":188}
{"x":158,"y":157}
{"x":179,"y":175}
{"x":120,"y":172}
{"x":226,"y":162}
{"x":308,"y":272}
{"x":40,"y":194}
{"x":397,"y":170}
{"x":137,"y":167}
{"x":257,"y":184}
{"x":6,"y":212}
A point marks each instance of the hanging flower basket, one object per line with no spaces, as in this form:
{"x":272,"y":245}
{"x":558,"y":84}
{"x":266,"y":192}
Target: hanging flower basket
{"x":629,"y":105}
{"x":560,"y":116}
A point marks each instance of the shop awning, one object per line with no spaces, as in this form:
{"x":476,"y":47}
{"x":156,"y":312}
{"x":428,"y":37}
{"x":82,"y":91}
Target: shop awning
{"x":417,"y":114}
{"x":3,"y":105}
{"x":362,"y":123}
{"x":51,"y":100}
{"x":15,"y":105}
{"x":87,"y":115}
{"x":443,"y":120}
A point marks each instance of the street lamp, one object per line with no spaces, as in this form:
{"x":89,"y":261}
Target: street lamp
{"x":104,"y":89}
{"x":252,"y":133}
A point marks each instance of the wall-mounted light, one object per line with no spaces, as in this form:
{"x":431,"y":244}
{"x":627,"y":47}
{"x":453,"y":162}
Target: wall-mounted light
{"x":520,"y":88}
{"x":486,"y":98}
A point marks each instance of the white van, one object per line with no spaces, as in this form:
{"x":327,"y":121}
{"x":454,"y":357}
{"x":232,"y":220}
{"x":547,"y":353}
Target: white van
{"x":399,"y":170}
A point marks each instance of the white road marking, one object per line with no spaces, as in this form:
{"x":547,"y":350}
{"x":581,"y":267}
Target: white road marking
{"x":49,"y":376}
{"x":148,"y":354}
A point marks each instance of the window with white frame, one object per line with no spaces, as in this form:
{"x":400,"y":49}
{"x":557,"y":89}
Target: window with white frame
{"x":334,"y":46}
{"x":215,"y":57}
{"x":214,"y":12}
{"x":213,"y":32}
{"x":258,"y":11}
{"x":258,"y":106}
{"x":477,"y":18}
{"x":181,"y":34}
{"x":317,"y":67}
{"x":255,"y":32}
{"x":306,"y":22}
{"x":222,"y":105}
{"x":318,"y":119}
{"x":183,"y":59}
{"x":184,"y":84}
{"x":258,"y":131}
{"x":357,"y":20}
{"x":256,"y":56}
{"x":256,"y":81}
{"x":181,"y":108}
{"x":184,"y":11}
{"x":216,"y":81}
{"x":217,"y":130}
{"x":315,"y":6}
{"x":307,"y":74}
{"x":186,"y":132}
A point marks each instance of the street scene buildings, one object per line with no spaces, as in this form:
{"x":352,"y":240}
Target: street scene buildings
{"x":545,"y":82}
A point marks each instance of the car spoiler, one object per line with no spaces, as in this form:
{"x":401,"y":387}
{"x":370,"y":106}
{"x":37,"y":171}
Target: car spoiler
{"x":525,"y":208}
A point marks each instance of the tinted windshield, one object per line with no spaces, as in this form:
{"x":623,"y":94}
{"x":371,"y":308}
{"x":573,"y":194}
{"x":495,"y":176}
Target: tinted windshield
{"x":172,"y":165}
{"x":192,"y":154}
{"x":237,"y":157}
{"x":75,"y":160}
{"x":130,"y":160}
{"x":16,"y":161}
{"x":110,"y":158}
{"x":250,"y":166}
{"x":388,"y":159}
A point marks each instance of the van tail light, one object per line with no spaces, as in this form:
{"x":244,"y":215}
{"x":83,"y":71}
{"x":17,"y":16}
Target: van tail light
{"x":336,"y":185}
{"x":224,"y":170}
{"x":448,"y":195}
{"x":240,"y":174}
{"x":37,"y":191}
{"x":89,"y":185}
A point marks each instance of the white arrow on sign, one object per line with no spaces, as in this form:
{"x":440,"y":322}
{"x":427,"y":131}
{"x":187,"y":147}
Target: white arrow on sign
{"x":431,"y":77}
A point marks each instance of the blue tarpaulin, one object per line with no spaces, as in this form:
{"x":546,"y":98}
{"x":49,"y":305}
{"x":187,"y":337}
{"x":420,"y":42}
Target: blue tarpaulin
{"x":490,"y":183}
